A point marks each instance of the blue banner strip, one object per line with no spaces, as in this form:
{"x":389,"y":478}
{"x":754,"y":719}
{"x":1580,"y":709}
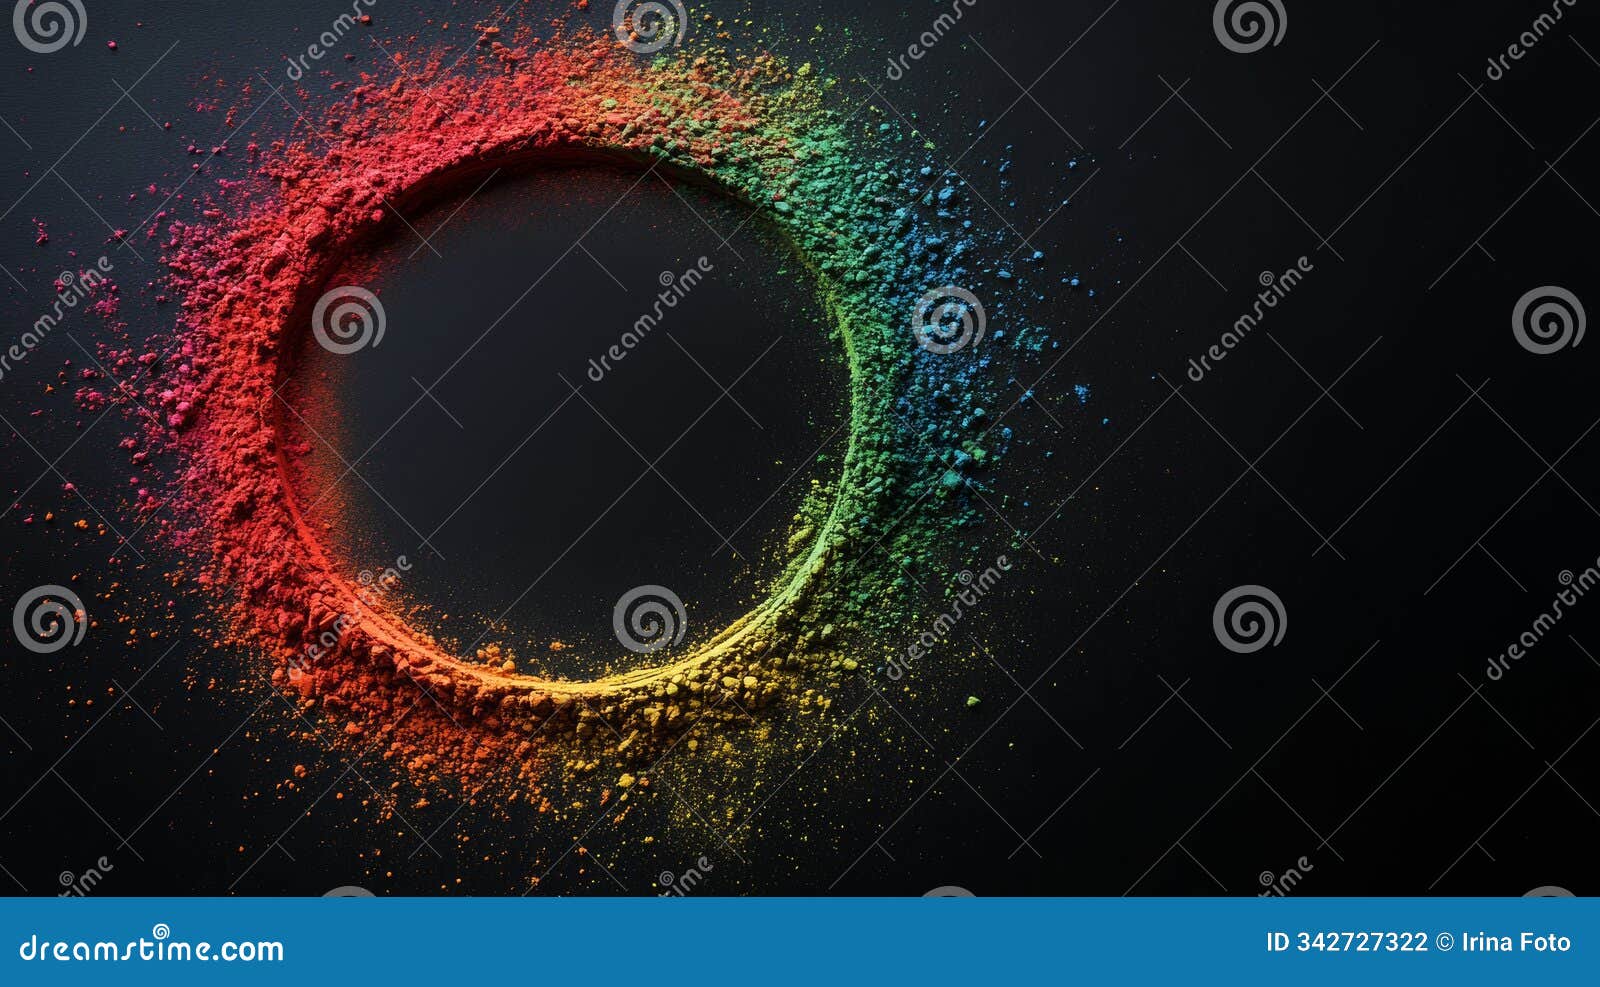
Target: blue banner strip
{"x":976,"y":941}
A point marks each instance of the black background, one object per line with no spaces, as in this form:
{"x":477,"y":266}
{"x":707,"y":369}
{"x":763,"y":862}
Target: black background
{"x":1448,"y":469}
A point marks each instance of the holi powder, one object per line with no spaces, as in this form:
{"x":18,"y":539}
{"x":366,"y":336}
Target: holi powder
{"x":851,"y":193}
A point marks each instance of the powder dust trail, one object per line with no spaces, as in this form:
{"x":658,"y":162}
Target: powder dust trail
{"x":853,"y":198}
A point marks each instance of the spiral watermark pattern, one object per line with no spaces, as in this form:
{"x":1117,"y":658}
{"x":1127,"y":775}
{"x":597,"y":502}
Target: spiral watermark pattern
{"x":348,"y":319}
{"x":949,"y":319}
{"x":49,"y":26}
{"x":649,"y":26}
{"x":49,"y":618}
{"x":649,"y":618}
{"x":1249,"y":618}
{"x":1249,"y":26}
{"x":1548,"y":320}
{"x":160,"y":931}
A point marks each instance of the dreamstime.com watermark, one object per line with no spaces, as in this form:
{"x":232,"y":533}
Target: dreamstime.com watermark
{"x":680,"y":885}
{"x":1274,"y":289}
{"x":1247,"y":26}
{"x":1279,"y":885}
{"x":48,"y":618}
{"x":1577,"y":586}
{"x":79,"y":885}
{"x":973,"y":589}
{"x":73,"y":290}
{"x":329,"y":39}
{"x":649,"y":618}
{"x":45,"y":26}
{"x":674,"y":289}
{"x":1548,"y":320}
{"x":348,"y":319}
{"x":370,"y":586}
{"x":1541,"y":27}
{"x":948,"y":319}
{"x":929,"y":39}
{"x":1249,"y":618}
{"x":159,"y":948}
{"x":648,"y":26}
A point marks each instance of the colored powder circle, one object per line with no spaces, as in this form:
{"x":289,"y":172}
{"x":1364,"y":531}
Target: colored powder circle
{"x":754,"y":130}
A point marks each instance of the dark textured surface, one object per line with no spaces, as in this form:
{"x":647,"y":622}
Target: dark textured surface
{"x":1414,"y":519}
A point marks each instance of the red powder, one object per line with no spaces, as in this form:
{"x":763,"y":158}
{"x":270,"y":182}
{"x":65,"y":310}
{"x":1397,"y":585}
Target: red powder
{"x":248,"y":272}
